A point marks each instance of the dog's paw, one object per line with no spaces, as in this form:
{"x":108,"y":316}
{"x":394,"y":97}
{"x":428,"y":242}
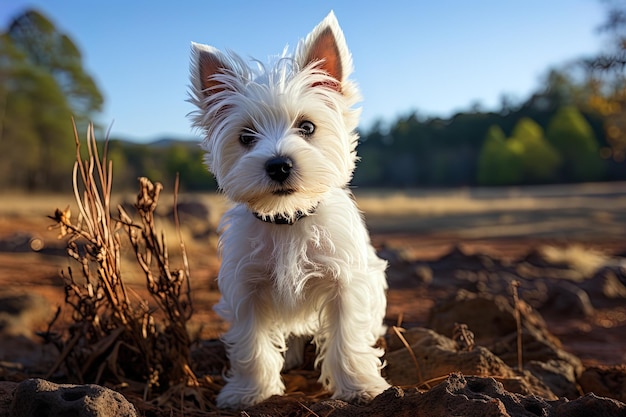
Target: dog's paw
{"x":363,"y":396}
{"x":239,"y":396}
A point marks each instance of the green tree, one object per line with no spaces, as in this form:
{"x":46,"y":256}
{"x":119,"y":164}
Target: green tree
{"x":540,"y":161}
{"x":54,"y":52}
{"x":187,"y":161}
{"x":527,"y":128}
{"x":570,"y":133}
{"x":605,"y":82}
{"x":42,"y":85}
{"x":36,"y":135}
{"x":499,"y":161}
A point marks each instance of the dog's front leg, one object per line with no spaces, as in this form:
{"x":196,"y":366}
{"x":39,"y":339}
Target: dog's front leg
{"x":350,"y":363}
{"x":254,"y":346}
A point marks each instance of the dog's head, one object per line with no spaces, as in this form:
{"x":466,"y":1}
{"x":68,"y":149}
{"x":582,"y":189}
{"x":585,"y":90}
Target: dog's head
{"x":278,"y":138}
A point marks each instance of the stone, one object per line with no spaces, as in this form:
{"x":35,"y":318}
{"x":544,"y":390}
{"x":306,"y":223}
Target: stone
{"x":590,"y":405}
{"x":437,"y":356}
{"x":20,"y":313}
{"x":558,"y":375}
{"x":457,"y":395}
{"x":41,"y":398}
{"x":488,"y":316}
{"x":605,"y":283}
{"x":568,"y":299}
{"x":607,"y":381}
{"x":6,"y":396}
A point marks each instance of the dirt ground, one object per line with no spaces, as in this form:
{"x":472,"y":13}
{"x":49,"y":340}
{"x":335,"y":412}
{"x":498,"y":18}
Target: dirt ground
{"x":507,"y":224}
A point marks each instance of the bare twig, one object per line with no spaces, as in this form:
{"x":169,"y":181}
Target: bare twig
{"x":518,"y":323}
{"x":111,"y":332}
{"x":398,"y":331}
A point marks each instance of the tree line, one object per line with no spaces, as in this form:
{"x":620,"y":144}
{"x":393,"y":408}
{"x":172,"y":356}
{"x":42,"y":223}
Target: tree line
{"x":572,"y":129}
{"x":543,"y":141}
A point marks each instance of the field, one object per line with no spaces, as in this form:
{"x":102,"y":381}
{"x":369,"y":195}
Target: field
{"x":585,"y":224}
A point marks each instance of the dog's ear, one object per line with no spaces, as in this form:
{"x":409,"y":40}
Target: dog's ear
{"x":326,"y":46}
{"x":206,"y":62}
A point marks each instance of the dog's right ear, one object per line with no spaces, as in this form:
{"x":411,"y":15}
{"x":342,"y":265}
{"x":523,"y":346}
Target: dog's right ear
{"x":207,"y":63}
{"x":326,"y":47}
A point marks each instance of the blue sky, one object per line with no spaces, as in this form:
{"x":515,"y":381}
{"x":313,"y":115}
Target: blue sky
{"x":436,"y":57}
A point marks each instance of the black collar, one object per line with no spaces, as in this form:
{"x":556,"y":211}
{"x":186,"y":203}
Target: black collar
{"x":281,"y":219}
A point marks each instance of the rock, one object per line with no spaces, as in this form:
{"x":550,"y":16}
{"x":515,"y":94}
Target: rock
{"x":577,"y":262}
{"x":405,"y":274}
{"x":393,"y":402}
{"x":537,"y":257}
{"x":590,"y":406}
{"x":20,"y":354}
{"x":465,"y":396}
{"x":566,"y":298}
{"x":558,"y":375}
{"x":6,"y":397}
{"x":22,"y":313}
{"x":607,"y":381}
{"x":403,"y":271}
{"x":492,"y":320}
{"x":437,"y":357}
{"x":458,"y":259}
{"x":21,"y":242}
{"x":457,"y":395}
{"x":536,"y":346}
{"x":192,"y":209}
{"x":489,"y":316}
{"x":279,"y":406}
{"x":423,"y":273}
{"x":416,"y":336}
{"x":195,"y":216}
{"x":38,"y":397}
{"x":605,"y":283}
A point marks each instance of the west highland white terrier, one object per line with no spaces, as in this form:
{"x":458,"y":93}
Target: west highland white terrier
{"x":296,"y":256}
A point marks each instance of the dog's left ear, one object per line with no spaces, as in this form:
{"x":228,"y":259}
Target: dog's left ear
{"x":326,"y":46}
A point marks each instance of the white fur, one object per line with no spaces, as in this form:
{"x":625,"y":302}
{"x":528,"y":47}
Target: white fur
{"x":319,"y":276}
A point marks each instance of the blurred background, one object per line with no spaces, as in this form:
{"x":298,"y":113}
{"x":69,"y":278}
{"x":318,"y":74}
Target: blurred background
{"x":455,"y":94}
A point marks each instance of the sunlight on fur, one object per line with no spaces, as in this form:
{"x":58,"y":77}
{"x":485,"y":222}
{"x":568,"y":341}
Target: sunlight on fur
{"x":296,"y":257}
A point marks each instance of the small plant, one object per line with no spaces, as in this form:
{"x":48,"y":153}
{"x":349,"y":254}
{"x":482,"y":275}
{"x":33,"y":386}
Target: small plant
{"x":463,"y":337}
{"x":114,"y":333}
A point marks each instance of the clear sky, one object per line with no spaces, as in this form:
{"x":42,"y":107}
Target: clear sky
{"x":433,"y":56}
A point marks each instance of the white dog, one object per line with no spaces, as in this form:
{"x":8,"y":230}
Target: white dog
{"x":296,"y":256}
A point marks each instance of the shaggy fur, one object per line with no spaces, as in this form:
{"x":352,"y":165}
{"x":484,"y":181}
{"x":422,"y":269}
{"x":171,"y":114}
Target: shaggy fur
{"x":296,"y":256}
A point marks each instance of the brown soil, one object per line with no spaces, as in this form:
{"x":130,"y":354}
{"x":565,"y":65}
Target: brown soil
{"x":598,"y":340}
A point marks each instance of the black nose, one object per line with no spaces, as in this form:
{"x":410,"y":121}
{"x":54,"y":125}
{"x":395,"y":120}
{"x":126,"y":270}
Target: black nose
{"x":279,"y":168}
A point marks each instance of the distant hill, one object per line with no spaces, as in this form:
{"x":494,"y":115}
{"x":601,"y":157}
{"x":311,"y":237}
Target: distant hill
{"x":167,"y":142}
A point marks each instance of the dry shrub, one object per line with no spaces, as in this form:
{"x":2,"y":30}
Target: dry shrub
{"x":115,"y":335}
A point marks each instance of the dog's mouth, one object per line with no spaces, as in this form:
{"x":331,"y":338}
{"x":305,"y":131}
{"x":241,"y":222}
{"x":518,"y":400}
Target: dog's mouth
{"x":284,"y":192}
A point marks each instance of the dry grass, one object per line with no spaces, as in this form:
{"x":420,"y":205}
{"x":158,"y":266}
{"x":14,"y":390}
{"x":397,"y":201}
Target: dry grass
{"x":476,"y":200}
{"x":117,"y":336}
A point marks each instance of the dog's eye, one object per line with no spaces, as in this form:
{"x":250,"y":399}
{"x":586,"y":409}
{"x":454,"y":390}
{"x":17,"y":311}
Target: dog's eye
{"x":306,"y":128}
{"x":247,"y":137}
